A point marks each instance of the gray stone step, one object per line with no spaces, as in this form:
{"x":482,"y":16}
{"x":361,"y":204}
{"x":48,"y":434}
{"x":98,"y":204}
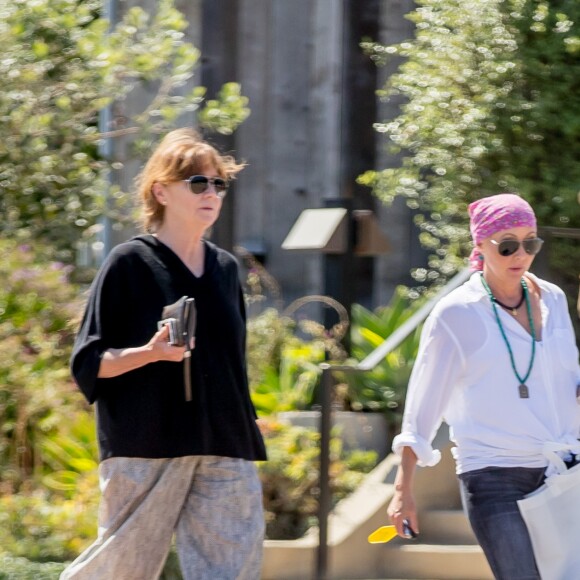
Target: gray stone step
{"x":446,"y":527}
{"x":436,"y":562}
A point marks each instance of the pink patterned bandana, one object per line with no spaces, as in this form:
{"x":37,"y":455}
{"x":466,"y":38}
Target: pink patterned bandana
{"x":495,"y":214}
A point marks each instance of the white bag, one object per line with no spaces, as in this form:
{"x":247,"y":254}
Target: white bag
{"x":552,"y":515}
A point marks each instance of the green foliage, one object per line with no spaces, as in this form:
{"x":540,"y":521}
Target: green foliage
{"x":54,"y":517}
{"x":36,"y":305}
{"x":71,"y":454}
{"x":22,"y":569}
{"x":47,"y":436}
{"x":490,"y":93}
{"x":267,"y":333}
{"x":282,"y":368}
{"x":45,"y":527}
{"x":290,"y":477}
{"x":225,"y":113}
{"x":384,"y":388}
{"x":60,"y":66}
{"x":284,"y":350}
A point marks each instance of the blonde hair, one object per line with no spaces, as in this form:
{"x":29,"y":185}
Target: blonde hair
{"x":181,"y":154}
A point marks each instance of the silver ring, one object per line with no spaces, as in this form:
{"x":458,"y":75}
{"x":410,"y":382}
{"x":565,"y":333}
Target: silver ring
{"x":187,"y":354}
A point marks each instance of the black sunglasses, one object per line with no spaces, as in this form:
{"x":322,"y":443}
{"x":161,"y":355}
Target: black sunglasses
{"x":200,"y":184}
{"x":509,"y":247}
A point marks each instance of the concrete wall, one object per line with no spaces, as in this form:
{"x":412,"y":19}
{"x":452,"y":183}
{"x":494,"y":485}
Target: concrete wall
{"x":313,"y":103}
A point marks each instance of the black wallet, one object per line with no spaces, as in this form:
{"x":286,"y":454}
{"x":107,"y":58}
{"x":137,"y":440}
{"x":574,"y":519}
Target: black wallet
{"x":181,"y":318}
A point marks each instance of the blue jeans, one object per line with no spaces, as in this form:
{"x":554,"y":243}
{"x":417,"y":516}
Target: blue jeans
{"x":489,"y":497}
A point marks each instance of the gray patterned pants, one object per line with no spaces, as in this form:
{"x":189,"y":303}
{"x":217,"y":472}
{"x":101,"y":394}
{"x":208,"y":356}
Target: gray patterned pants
{"x":212,"y":504}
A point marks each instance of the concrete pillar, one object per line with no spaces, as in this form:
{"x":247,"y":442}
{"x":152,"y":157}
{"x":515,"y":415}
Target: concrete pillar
{"x":397,"y":219}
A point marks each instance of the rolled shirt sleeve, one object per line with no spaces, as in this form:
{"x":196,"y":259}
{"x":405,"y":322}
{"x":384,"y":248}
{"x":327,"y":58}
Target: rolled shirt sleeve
{"x":439,"y":363}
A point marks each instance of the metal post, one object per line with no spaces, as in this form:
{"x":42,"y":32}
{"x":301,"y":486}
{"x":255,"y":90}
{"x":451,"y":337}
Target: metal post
{"x":324,"y":480}
{"x":339,"y":269}
{"x":106,"y":144}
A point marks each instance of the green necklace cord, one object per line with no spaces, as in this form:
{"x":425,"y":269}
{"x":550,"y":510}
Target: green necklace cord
{"x":522,"y":387}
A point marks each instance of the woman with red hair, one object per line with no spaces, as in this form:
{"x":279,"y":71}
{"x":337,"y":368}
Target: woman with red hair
{"x":172,"y":463}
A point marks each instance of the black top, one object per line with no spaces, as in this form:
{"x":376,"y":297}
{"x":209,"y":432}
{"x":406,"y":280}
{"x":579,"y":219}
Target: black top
{"x":143,"y":413}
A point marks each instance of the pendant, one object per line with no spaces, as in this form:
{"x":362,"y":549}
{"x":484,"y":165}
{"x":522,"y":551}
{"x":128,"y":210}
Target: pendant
{"x":524,"y":393}
{"x":514,"y":312}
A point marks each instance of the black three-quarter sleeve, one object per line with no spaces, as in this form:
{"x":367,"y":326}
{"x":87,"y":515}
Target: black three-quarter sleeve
{"x":92,"y":340}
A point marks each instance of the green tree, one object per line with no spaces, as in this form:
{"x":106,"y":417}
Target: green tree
{"x":490,"y":93}
{"x":60,"y":65}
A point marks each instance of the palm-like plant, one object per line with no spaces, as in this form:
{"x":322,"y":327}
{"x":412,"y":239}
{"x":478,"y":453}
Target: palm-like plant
{"x":384,"y":388}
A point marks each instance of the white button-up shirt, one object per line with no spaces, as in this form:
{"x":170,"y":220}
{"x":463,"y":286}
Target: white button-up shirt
{"x":463,"y":375}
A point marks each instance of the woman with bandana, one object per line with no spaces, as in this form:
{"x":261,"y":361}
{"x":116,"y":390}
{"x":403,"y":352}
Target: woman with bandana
{"x":498,"y":362}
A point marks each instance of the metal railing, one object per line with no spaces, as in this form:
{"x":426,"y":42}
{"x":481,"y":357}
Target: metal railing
{"x":367,"y":364}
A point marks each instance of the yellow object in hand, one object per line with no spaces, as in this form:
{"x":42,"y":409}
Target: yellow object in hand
{"x":382,"y":535}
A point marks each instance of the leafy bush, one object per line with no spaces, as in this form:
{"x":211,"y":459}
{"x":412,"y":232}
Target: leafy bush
{"x":283,"y":369}
{"x":384,"y":388}
{"x":46,"y":429}
{"x":22,"y":569}
{"x":36,"y":394}
{"x":71,"y":455}
{"x":42,"y":527}
{"x":290,"y":477}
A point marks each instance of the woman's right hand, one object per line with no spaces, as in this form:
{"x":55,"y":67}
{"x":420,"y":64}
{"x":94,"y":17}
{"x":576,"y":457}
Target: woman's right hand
{"x":402,"y":508}
{"x":162,"y":350}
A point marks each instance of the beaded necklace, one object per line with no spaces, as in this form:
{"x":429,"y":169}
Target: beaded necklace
{"x":523,"y":389}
